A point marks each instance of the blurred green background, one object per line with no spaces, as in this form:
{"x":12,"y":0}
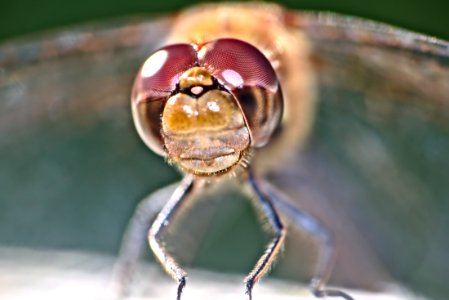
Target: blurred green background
{"x":24,"y":16}
{"x":107,"y":200}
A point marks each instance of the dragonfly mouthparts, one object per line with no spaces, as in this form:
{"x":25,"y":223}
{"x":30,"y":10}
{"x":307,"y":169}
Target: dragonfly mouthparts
{"x":207,"y":153}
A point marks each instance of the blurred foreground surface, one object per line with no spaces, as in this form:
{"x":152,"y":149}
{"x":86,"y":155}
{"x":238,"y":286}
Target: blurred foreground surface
{"x":29,"y":274}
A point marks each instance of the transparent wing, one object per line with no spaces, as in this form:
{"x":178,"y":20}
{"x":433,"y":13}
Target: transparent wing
{"x":69,"y":155}
{"x":376,"y":166}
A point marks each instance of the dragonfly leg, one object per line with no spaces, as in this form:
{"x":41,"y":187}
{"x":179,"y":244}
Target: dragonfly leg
{"x":315,"y":228}
{"x":163,"y":219}
{"x":265,"y":261}
{"x":134,"y":241}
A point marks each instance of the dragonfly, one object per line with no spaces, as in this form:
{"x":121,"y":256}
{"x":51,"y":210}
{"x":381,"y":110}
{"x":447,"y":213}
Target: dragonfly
{"x":357,"y":145}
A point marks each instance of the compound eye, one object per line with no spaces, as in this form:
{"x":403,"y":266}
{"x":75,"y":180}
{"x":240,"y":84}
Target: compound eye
{"x":249,"y":75}
{"x":155,"y":81}
{"x":236,"y":63}
{"x":159,"y":74}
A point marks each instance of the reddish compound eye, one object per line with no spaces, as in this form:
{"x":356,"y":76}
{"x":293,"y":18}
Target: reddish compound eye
{"x":159,"y":74}
{"x":155,"y":81}
{"x":236,"y":64}
{"x":245,"y":71}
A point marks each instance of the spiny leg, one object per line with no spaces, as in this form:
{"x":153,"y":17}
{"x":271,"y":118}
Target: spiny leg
{"x":312,"y":226}
{"x":134,"y":241}
{"x":264,"y":262}
{"x":162,"y":221}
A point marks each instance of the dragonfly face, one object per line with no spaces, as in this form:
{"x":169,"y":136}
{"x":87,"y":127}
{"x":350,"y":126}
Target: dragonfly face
{"x":205,"y":105}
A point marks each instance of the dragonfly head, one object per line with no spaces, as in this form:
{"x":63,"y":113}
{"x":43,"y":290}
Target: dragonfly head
{"x":205,"y":107}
